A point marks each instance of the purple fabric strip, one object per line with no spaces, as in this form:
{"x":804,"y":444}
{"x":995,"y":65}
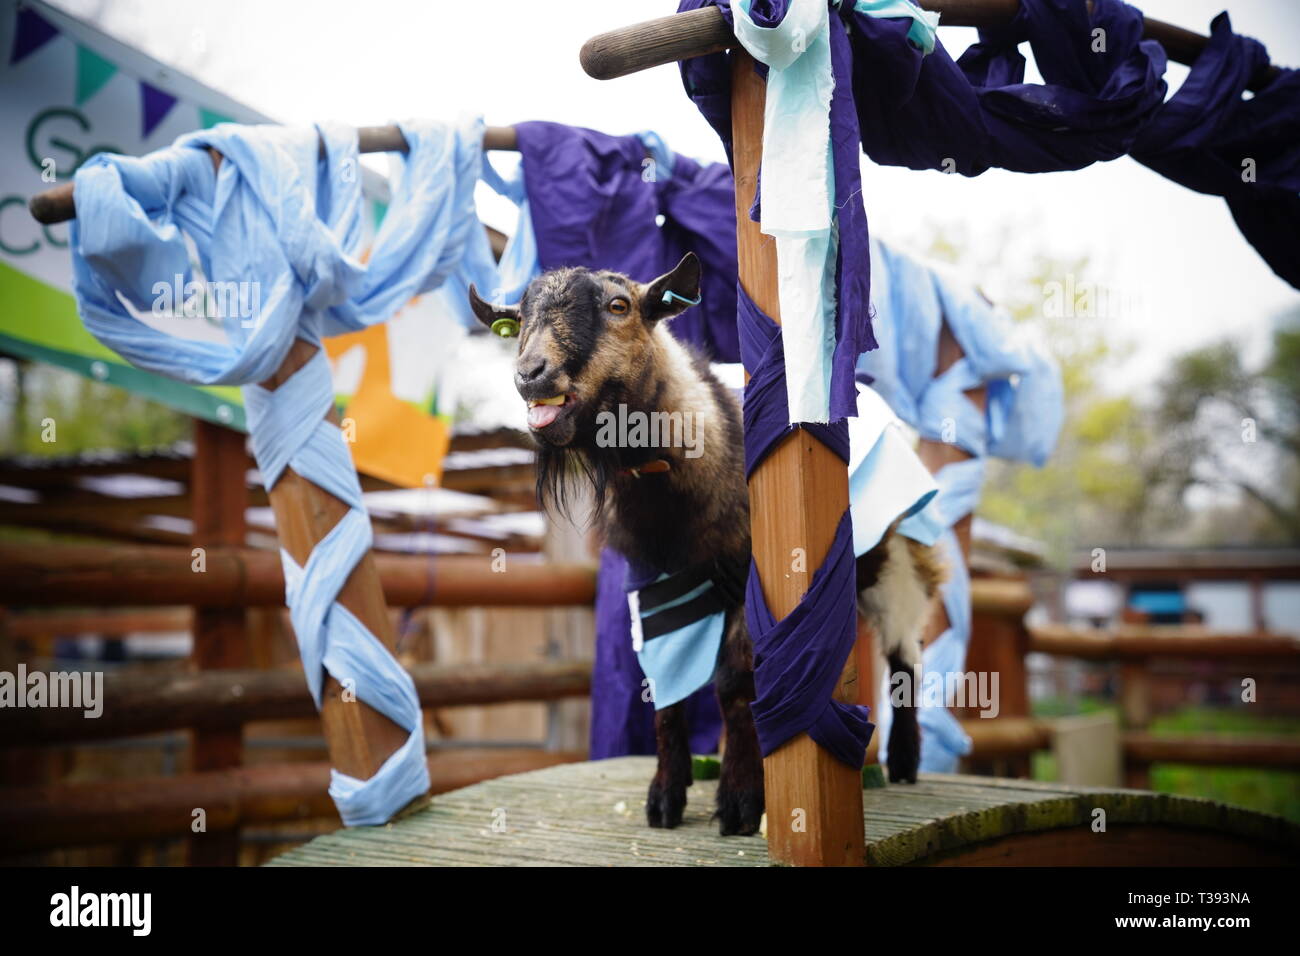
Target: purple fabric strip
{"x":798,"y":660}
{"x":592,"y":206}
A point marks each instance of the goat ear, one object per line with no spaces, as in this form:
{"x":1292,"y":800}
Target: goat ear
{"x":501,"y":319}
{"x":673,"y":292}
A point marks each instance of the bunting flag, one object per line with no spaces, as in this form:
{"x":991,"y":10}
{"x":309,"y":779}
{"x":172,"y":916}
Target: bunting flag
{"x":93,"y":71}
{"x":210,"y":118}
{"x":31,"y":32}
{"x":155,"y":104}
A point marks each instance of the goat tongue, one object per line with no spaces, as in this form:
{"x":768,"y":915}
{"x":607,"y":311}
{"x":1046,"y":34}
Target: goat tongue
{"x":539,"y":416}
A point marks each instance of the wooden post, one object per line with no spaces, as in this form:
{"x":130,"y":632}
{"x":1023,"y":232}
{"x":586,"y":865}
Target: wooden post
{"x":796,"y":498}
{"x":219,"y":495}
{"x":1135,"y":716}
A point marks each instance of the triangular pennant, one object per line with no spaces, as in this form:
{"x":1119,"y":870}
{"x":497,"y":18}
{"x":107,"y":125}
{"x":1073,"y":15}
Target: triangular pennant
{"x":210,"y":118}
{"x":155,"y":105}
{"x":31,"y":32}
{"x":93,"y":71}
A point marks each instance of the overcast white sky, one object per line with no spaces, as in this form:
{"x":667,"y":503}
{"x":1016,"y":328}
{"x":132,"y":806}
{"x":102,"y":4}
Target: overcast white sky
{"x":1175,"y":254}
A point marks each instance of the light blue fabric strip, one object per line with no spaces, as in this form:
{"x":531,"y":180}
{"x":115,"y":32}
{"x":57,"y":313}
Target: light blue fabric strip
{"x":798,"y":191}
{"x":682,"y":661}
{"x":659,"y":152}
{"x":886,"y":478}
{"x":924,"y":22}
{"x":1025,"y":409}
{"x":276,"y":217}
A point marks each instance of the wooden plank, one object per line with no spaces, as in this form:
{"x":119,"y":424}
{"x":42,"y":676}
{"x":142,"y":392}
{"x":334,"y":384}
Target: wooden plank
{"x":220,"y":498}
{"x":589,"y":814}
{"x":796,"y":498}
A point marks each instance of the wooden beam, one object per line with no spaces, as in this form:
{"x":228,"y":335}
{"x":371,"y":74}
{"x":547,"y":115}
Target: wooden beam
{"x":115,"y":575}
{"x":682,"y":36}
{"x":59,"y":204}
{"x":121,"y":811}
{"x":224,"y":700}
{"x":796,"y":498}
{"x":219,"y":497}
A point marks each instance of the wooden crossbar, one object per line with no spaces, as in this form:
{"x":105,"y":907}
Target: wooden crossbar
{"x":682,"y":36}
{"x":58,"y":204}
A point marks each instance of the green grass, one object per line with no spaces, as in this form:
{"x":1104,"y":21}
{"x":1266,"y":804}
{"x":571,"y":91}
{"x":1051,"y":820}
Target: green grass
{"x":1268,"y":791}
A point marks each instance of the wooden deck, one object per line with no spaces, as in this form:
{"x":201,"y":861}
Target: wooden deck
{"x":590,"y":814}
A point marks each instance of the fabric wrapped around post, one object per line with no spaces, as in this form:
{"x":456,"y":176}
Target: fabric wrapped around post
{"x":1023,"y":416}
{"x":798,"y":660}
{"x":286,"y":224}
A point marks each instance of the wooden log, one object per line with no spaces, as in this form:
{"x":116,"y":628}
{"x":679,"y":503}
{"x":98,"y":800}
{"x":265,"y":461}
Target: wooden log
{"x":682,"y":36}
{"x":214,"y":701}
{"x":115,"y":575}
{"x":119,"y":811}
{"x":1000,"y":597}
{"x":1010,"y":736}
{"x":219,"y":496}
{"x":1156,"y":641}
{"x":99,"y":621}
{"x":59,"y":204}
{"x":796,"y":498}
{"x":1225,"y":750}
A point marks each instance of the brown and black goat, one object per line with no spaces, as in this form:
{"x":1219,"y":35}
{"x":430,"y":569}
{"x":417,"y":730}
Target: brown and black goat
{"x":593,"y":342}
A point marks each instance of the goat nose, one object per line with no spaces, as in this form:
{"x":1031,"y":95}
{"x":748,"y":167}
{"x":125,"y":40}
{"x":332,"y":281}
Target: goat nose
{"x":532,"y":371}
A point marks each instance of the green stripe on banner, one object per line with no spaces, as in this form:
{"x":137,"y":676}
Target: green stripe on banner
{"x":93,"y":71}
{"x":41,"y":323}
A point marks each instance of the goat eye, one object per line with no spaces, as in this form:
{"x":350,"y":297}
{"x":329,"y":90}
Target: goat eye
{"x":619,"y":306}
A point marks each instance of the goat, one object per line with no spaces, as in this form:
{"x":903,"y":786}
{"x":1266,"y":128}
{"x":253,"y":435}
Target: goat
{"x":595,"y":344}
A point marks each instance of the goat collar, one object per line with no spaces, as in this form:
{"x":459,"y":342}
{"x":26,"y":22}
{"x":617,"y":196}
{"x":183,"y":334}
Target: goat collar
{"x":656,"y":467}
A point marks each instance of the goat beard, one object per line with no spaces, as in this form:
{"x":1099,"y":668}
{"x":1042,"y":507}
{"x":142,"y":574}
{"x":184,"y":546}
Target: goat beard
{"x":566,"y":472}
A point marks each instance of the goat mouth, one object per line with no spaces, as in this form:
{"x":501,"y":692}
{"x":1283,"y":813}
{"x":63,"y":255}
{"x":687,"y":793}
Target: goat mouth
{"x":543,"y":412}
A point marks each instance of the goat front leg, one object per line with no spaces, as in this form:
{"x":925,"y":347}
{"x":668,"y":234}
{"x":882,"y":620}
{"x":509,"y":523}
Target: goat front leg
{"x":667,"y":798}
{"x":740,"y":786}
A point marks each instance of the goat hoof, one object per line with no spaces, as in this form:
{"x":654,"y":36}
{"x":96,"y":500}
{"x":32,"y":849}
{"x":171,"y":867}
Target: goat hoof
{"x":902,"y":771}
{"x":740,"y":810}
{"x":665,"y":805}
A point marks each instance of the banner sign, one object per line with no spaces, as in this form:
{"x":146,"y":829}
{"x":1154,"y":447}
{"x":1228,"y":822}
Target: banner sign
{"x":69,"y":92}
